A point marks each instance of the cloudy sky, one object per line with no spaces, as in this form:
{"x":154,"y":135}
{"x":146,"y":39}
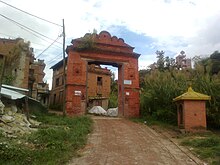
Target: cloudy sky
{"x":147,"y":25}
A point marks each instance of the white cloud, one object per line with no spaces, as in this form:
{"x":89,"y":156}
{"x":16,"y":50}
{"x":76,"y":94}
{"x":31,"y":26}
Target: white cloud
{"x":189,"y":25}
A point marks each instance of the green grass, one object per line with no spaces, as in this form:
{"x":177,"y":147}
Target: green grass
{"x":206,"y":146}
{"x":150,"y":121}
{"x":55,"y":142}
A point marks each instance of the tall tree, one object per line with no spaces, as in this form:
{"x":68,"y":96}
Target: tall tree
{"x":215,"y":59}
{"x":160,"y":60}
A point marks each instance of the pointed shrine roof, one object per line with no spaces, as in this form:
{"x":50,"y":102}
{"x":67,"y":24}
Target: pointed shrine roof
{"x":192,"y":95}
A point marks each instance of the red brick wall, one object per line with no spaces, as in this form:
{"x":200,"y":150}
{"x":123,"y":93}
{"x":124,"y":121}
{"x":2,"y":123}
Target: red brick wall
{"x":74,"y":102}
{"x":75,"y":83}
{"x":131,"y":92}
{"x":194,"y":114}
{"x":129,"y":71}
{"x":110,"y":50}
{"x":94,"y":89}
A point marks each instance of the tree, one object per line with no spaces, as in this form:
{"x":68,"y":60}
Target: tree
{"x":160,"y":60}
{"x":113,"y":98}
{"x":159,"y":88}
{"x":202,"y":63}
{"x":169,"y":63}
{"x":215,"y":60}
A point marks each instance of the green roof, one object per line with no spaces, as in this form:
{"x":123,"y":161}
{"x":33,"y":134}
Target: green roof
{"x":192,"y":95}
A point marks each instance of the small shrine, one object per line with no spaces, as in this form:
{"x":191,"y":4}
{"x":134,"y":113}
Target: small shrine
{"x":191,"y":110}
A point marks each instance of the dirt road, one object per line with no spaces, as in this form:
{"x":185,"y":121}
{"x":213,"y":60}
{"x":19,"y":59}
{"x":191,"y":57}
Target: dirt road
{"x":117,"y":141}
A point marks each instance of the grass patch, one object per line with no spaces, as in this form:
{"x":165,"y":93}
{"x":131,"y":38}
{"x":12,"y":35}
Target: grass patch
{"x":206,"y":146}
{"x":150,"y":121}
{"x":55,"y":142}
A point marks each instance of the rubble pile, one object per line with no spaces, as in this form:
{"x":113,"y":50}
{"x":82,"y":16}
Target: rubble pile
{"x":113,"y":112}
{"x":98,"y":110}
{"x":13,"y":124}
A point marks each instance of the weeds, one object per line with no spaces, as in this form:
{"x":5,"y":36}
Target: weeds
{"x":149,"y":120}
{"x":55,"y":142}
{"x":205,"y":146}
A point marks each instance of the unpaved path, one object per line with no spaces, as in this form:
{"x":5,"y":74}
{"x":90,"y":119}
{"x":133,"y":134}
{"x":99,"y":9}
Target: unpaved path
{"x":117,"y":141}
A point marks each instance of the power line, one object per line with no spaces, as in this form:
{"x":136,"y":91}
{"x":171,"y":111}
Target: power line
{"x":31,"y":14}
{"x":48,"y":47}
{"x":26,"y":27}
{"x":58,"y":58}
{"x":32,"y":33}
{"x":8,"y":35}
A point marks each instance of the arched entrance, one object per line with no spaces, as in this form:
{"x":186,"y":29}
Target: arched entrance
{"x":108,"y":50}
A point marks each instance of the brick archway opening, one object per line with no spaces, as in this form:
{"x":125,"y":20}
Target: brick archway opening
{"x":107,"y":50}
{"x":120,"y":86}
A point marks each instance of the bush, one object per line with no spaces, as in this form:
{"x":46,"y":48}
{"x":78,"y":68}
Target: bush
{"x":159,"y":88}
{"x":113,"y":101}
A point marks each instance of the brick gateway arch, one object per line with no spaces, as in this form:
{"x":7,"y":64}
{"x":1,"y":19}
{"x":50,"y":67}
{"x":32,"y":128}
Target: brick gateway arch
{"x":102,"y":49}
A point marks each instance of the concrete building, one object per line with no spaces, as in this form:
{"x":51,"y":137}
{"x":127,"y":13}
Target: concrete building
{"x":38,"y":89}
{"x":17,"y":68}
{"x":98,"y":86}
{"x":182,"y":61}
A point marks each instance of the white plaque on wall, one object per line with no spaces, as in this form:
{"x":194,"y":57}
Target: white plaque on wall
{"x":127,"y":82}
{"x":77,"y":93}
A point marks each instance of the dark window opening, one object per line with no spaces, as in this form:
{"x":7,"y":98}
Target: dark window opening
{"x":62,"y":80}
{"x":99,"y":80}
{"x":57,"y":82}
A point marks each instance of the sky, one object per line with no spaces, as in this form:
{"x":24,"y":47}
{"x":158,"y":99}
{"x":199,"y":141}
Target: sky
{"x":147,"y":25}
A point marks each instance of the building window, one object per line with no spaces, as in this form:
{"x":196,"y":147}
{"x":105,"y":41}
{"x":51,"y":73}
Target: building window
{"x":99,"y":81}
{"x":62,"y":80}
{"x":57,"y":82}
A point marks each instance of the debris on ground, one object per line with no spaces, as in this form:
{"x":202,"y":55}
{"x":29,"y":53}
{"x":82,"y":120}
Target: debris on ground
{"x":98,"y":110}
{"x":113,"y":112}
{"x":13,"y":123}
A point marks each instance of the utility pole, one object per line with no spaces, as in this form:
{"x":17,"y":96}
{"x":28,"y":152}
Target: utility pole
{"x":64,"y":73}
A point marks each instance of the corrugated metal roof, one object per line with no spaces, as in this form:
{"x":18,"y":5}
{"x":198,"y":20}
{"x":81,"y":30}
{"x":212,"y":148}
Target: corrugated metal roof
{"x":11,"y":94}
{"x":192,"y":95}
{"x":15,"y":88}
